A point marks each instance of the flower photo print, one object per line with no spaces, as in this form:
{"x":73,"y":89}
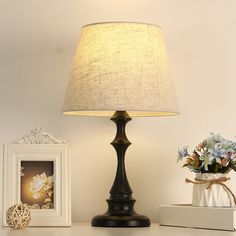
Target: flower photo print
{"x":37,"y":184}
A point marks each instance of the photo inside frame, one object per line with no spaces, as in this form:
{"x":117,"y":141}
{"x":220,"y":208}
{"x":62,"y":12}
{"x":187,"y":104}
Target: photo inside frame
{"x":37,"y":184}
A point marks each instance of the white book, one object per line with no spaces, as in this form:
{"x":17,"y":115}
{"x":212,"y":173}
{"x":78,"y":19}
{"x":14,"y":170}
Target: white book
{"x":186,"y":215}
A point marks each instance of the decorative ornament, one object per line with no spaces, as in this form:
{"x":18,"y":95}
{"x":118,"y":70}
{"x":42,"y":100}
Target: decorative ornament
{"x":18,"y":216}
{"x":39,"y":136}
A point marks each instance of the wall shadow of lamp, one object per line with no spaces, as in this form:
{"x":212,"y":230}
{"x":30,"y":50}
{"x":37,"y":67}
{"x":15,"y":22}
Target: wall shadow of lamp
{"x":120,"y":68}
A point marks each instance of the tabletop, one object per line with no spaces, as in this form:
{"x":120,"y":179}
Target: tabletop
{"x":85,"y":229}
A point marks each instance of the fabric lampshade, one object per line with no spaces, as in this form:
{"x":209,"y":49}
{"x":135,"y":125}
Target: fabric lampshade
{"x":120,"y":66}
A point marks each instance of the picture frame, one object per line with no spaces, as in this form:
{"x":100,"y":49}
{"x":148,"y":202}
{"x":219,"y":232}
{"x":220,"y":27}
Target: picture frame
{"x":37,"y":173}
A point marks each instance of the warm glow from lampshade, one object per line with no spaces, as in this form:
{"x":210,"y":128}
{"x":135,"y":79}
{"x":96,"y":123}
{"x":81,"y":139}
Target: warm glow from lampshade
{"x":121,"y":66}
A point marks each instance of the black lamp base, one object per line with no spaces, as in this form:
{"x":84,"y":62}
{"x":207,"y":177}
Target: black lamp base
{"x":120,"y":211}
{"x":134,"y":220}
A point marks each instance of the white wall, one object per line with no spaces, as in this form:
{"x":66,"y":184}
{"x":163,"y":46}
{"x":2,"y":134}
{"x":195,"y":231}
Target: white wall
{"x":37,"y":40}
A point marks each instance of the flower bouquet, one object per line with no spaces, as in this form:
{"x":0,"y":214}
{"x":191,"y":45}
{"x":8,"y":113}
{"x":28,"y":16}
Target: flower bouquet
{"x":211,"y":160}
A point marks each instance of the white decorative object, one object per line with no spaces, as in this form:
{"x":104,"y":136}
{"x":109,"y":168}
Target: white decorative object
{"x":39,"y":136}
{"x":18,"y":216}
{"x":216,"y":194}
{"x":14,"y":155}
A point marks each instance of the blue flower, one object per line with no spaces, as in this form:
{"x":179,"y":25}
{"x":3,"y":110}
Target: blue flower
{"x":218,"y":151}
{"x":182,"y":153}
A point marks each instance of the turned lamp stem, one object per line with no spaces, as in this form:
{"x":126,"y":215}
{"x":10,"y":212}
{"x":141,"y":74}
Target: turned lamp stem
{"x":121,"y":188}
{"x":120,"y":211}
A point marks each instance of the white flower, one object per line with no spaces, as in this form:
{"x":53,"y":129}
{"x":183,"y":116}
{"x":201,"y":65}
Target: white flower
{"x":48,"y":199}
{"x":40,"y":184}
{"x":47,"y":206}
{"x":34,"y":206}
{"x":206,"y":160}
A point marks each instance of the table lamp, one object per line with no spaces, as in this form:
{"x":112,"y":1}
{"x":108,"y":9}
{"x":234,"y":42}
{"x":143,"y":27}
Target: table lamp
{"x":120,"y":68}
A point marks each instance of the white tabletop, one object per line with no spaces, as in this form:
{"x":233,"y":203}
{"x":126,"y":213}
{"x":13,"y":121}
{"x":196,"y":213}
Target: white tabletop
{"x":84,"y":229}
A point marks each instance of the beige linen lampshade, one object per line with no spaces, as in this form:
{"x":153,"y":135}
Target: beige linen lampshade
{"x":120,"y":66}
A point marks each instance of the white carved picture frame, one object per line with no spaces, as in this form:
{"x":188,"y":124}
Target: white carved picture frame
{"x":48,"y":149}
